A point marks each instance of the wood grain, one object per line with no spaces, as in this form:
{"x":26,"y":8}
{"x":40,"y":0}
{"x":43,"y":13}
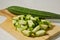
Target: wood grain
{"x":9,"y":27}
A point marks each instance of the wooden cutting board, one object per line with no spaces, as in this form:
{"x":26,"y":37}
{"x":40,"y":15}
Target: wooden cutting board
{"x":9,"y":27}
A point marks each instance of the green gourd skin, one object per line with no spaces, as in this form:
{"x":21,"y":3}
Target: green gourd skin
{"x":24,"y":11}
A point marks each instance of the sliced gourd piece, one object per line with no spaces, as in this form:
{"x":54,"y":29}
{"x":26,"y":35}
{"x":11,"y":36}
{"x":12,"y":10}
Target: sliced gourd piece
{"x":33,"y":34}
{"x":32,"y":18}
{"x":24,"y":27}
{"x":36,"y":18}
{"x":16,"y":24}
{"x":43,"y":26}
{"x":23,"y":22}
{"x":30,"y":28}
{"x":36,"y":28}
{"x":30,"y":23}
{"x":45,"y":22}
{"x":22,"y":17}
{"x":26,"y":32}
{"x":21,"y":28}
{"x":28,"y":17}
{"x":40,"y":32}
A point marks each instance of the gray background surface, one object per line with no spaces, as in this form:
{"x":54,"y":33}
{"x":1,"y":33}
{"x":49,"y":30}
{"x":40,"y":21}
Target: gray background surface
{"x":45,"y":5}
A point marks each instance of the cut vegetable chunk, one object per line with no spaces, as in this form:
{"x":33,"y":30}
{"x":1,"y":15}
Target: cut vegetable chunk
{"x":40,"y":32}
{"x":36,"y":28}
{"x":26,"y":32}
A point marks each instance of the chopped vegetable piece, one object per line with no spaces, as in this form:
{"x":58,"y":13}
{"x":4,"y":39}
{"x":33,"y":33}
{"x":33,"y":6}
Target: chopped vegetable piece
{"x":36,"y":28}
{"x":30,"y":23}
{"x":30,"y":28}
{"x":36,"y":18}
{"x":22,"y":17}
{"x":19,"y":29}
{"x":16,"y":23}
{"x":40,"y":32}
{"x":22,"y":22}
{"x":23,"y":27}
{"x":32,"y":18}
{"x":26,"y":32}
{"x":33,"y":35}
{"x":45,"y":22}
{"x":43,"y":26}
{"x":28,"y":17}
{"x":50,"y":25}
